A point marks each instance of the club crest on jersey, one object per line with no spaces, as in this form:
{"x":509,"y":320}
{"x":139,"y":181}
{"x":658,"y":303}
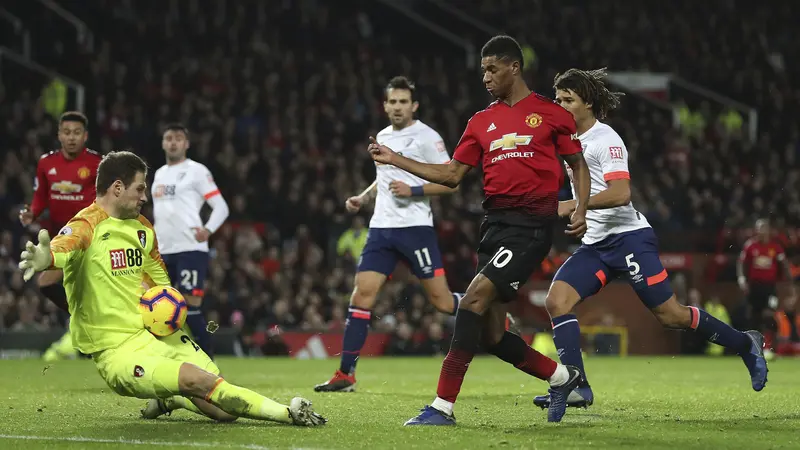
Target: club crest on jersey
{"x":142,"y":238}
{"x":533,"y":120}
{"x":138,"y":371}
{"x":509,"y":142}
{"x":84,"y":172}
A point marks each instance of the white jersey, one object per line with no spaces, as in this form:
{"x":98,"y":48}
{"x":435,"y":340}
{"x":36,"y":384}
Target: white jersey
{"x":179,"y":192}
{"x":420,"y":143}
{"x":607,"y":158}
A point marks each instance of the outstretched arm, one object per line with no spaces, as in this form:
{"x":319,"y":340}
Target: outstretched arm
{"x":449,"y":175}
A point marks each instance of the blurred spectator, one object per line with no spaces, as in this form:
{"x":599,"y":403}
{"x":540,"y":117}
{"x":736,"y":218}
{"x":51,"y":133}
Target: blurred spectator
{"x":402,"y":341}
{"x":434,"y":342}
{"x":787,"y":328}
{"x":352,"y":241}
{"x":280,"y":97}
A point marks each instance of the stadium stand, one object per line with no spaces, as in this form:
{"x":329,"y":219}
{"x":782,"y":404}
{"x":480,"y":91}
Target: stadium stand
{"x":279,"y":97}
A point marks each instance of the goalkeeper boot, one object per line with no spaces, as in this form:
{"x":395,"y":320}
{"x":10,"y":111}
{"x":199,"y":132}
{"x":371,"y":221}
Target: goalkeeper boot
{"x":431,"y":416}
{"x":755,"y":361}
{"x":340,"y":382}
{"x":155,"y":408}
{"x":580,"y":397}
{"x":303,"y":414}
{"x":61,"y":349}
{"x":559,"y":394}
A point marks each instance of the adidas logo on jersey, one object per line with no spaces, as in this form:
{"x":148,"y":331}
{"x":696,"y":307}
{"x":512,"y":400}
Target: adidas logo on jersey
{"x":491,"y":128}
{"x":52,"y":171}
{"x":515,"y":285}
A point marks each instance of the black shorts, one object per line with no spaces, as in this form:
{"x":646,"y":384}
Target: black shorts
{"x":509,"y":254}
{"x":760,"y":294}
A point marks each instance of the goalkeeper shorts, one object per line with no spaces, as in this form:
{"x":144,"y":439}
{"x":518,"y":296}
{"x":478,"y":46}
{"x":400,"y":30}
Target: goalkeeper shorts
{"x":145,"y":366}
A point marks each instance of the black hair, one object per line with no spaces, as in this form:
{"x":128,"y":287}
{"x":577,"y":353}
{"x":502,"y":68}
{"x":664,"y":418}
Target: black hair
{"x":589,"y":85}
{"x":401,"y":82}
{"x":503,"y":47}
{"x":118,"y":165}
{"x":74,"y":116}
{"x":176,"y":126}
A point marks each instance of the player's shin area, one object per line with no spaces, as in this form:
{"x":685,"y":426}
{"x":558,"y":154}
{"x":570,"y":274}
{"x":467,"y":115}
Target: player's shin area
{"x":225,"y":406}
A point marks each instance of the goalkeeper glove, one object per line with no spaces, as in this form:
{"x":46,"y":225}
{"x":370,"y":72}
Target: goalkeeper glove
{"x":36,"y":258}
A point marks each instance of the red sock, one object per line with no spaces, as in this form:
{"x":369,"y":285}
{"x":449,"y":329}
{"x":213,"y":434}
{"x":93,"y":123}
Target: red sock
{"x":513,"y":350}
{"x":466,"y":337}
{"x":454,"y":368}
{"x":537,"y":364}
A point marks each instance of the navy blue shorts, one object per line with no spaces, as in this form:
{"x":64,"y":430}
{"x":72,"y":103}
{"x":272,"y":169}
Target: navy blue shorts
{"x":632,"y":255}
{"x":188,"y":271}
{"x":417,"y":246}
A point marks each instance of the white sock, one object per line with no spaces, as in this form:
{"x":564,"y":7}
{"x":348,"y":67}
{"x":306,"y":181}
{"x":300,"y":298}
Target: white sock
{"x":443,"y":406}
{"x":560,"y":376}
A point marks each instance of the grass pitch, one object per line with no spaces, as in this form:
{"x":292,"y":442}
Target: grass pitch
{"x":653,"y":402}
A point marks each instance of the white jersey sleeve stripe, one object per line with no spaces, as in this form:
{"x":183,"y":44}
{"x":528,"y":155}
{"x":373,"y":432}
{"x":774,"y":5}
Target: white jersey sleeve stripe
{"x":607,"y":159}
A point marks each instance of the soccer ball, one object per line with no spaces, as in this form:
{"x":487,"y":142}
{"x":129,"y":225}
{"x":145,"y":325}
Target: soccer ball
{"x":163,"y":310}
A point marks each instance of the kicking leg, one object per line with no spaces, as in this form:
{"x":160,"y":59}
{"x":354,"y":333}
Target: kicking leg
{"x":238,"y":401}
{"x":367,"y":285}
{"x":748,"y":345}
{"x":159,"y":407}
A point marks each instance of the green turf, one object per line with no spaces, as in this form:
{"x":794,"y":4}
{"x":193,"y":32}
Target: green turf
{"x":642,"y":403}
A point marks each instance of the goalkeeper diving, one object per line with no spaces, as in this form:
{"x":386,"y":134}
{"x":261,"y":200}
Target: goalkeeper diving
{"x":107,"y":251}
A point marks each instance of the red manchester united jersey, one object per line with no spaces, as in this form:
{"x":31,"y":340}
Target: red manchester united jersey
{"x":64,"y":186}
{"x":761,"y":260}
{"x":519,"y":147}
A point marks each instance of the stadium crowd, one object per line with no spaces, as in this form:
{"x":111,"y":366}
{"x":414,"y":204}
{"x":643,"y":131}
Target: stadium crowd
{"x":280,"y":97}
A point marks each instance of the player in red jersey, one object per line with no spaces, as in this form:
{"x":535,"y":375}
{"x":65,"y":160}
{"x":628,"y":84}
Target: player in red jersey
{"x":64,"y":185}
{"x":757,"y":273}
{"x":518,"y":140}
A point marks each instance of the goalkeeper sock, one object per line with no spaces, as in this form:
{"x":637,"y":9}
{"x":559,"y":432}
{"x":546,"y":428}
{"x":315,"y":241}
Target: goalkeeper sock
{"x":56,"y":294}
{"x":242,"y":402}
{"x":567,"y":337}
{"x":355,"y":335}
{"x":513,"y":350}
{"x":180,"y":402}
{"x":197,"y":325}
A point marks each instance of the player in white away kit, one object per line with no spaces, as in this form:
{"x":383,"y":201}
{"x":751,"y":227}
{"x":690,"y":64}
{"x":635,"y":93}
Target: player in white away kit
{"x":180,"y":188}
{"x":619,"y":242}
{"x":401,"y":228}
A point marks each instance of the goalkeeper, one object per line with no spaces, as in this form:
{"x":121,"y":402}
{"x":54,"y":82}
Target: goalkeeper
{"x":107,"y":251}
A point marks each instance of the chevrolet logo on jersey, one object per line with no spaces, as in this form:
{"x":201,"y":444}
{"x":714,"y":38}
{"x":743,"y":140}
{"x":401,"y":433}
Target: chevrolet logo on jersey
{"x":509,"y":142}
{"x":66,"y":187}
